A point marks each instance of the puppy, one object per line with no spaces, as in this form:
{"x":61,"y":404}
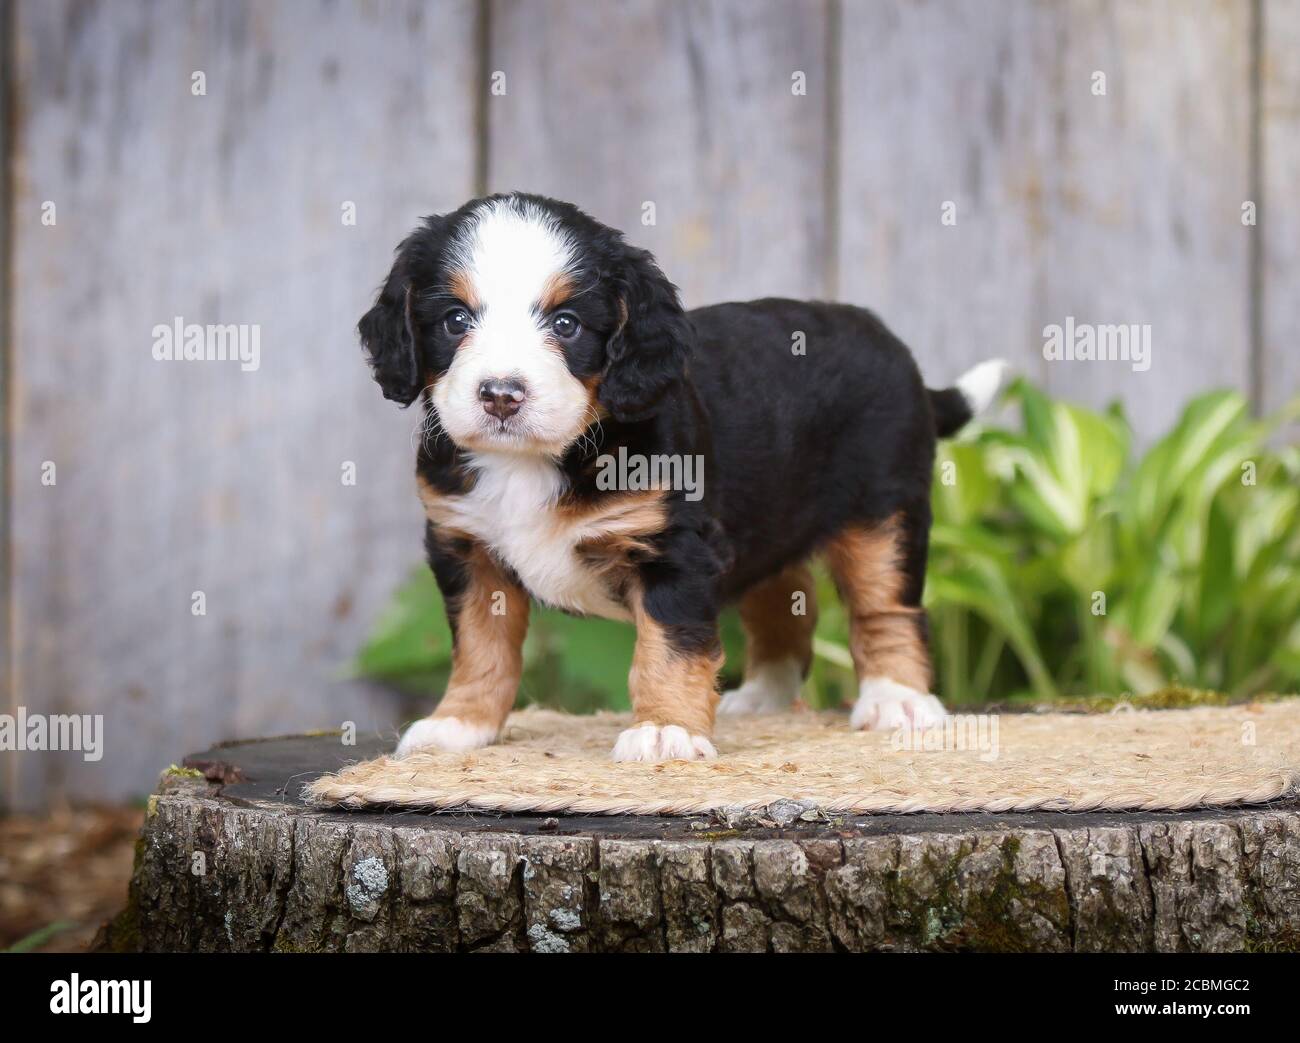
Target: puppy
{"x":545,"y":350}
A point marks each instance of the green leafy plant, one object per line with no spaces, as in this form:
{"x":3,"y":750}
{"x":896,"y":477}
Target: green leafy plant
{"x":1088,"y":571}
{"x":1060,"y":566}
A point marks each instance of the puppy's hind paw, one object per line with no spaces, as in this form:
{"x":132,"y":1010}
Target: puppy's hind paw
{"x":770,"y":688}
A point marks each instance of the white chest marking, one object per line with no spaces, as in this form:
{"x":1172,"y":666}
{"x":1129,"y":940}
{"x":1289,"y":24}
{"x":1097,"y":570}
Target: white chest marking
{"x":512,"y":510}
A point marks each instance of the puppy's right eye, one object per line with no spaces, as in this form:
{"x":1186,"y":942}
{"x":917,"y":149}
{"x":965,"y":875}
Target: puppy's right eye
{"x":456,"y":322}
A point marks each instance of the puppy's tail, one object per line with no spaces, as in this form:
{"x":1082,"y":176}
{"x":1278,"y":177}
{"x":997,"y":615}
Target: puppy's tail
{"x":974,"y":392}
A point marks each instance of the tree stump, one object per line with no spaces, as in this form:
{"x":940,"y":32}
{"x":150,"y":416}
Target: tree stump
{"x":231,"y":860}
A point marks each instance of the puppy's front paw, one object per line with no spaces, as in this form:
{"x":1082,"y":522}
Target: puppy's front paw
{"x":445,"y":733}
{"x":885,"y":705}
{"x":771,"y":688}
{"x":651,"y":742}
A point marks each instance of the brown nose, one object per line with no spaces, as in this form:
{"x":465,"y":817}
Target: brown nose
{"x":502,"y":397}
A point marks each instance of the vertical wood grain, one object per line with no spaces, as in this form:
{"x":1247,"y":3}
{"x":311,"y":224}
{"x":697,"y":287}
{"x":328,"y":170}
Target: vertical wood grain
{"x":1116,"y":209}
{"x":1279,"y":217}
{"x":8,"y":691}
{"x":195,"y":476}
{"x":687,"y":105}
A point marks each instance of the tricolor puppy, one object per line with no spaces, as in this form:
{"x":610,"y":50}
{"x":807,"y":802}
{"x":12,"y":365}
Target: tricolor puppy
{"x":544,"y":347}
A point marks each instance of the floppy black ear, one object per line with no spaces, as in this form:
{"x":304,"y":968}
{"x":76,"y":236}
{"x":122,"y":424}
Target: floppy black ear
{"x":388,"y":336}
{"x":646,"y":356}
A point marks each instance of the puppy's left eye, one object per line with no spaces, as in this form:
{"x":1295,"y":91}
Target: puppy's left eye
{"x":566,"y":326}
{"x":456,"y":322}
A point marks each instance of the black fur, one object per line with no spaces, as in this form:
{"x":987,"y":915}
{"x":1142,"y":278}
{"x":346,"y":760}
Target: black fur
{"x":645,"y":359}
{"x":951,"y":411}
{"x":796,"y":446}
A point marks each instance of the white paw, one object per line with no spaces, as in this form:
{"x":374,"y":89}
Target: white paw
{"x":650,"y":742}
{"x":885,"y":705}
{"x":770,"y":688}
{"x":445,"y":733}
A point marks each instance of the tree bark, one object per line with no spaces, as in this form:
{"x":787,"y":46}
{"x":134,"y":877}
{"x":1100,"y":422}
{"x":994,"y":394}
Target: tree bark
{"x":239,"y":864}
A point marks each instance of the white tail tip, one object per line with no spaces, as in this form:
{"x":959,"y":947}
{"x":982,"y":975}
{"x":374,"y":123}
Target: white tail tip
{"x":980,"y":384}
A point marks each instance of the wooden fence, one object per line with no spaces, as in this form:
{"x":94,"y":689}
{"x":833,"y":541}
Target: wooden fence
{"x":973,"y":171}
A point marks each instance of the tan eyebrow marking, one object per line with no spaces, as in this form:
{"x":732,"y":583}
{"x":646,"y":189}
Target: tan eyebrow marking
{"x":463,"y":288}
{"x":558,"y":289}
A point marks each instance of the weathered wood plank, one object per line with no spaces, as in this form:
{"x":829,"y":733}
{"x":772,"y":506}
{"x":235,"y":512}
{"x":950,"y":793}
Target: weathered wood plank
{"x":1279,"y":216}
{"x":8,"y":692}
{"x":181,"y":477}
{"x":1114,"y":209}
{"x":687,"y":106}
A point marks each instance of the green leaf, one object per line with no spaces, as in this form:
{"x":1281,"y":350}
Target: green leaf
{"x":1148,"y":611}
{"x":39,"y":937}
{"x":1068,"y":458}
{"x":1217,"y":583}
{"x":982,"y":587}
{"x":963,"y":488}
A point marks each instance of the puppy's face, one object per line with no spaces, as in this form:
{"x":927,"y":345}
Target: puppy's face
{"x":518,"y":339}
{"x":527,"y":321}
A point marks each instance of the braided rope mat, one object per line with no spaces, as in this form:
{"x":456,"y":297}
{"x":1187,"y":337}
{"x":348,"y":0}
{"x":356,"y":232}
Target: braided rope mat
{"x":1120,"y":761}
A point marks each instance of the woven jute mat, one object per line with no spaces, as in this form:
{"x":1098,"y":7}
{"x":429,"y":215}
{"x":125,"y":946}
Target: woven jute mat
{"x":1133,"y":760}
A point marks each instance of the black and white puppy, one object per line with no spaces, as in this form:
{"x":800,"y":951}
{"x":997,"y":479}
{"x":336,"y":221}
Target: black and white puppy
{"x":544,"y":348}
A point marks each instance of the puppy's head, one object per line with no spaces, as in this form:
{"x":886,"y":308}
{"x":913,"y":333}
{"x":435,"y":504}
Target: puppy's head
{"x":527,"y":321}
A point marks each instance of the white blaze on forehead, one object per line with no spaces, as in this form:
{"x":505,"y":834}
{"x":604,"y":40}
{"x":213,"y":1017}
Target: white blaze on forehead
{"x":510,"y":254}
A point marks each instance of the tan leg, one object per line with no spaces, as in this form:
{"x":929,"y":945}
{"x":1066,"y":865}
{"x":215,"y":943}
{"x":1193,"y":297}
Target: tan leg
{"x":779,"y":616}
{"x":673,"y":692}
{"x":489,"y":619}
{"x":886,"y":626}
